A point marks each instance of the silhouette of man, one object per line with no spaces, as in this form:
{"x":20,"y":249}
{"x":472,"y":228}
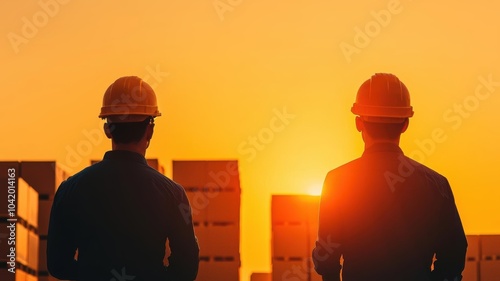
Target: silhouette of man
{"x":384,"y":213}
{"x":120,"y":212}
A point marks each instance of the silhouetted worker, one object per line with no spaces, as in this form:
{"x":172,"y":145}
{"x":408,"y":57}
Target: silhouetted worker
{"x":386,"y":214}
{"x":119,"y":212}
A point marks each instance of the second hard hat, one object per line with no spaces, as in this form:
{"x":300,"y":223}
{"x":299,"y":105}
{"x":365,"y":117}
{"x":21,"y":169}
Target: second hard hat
{"x":383,"y":98}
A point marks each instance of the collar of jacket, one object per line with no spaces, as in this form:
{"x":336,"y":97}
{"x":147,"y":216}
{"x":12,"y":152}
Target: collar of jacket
{"x":382,"y":147}
{"x":125,"y":155}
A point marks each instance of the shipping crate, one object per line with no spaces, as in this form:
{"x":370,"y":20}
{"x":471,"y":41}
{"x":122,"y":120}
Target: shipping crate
{"x":33,"y":250}
{"x":290,"y":269}
{"x":489,"y":270}
{"x":223,"y":240}
{"x":44,"y":176}
{"x":290,"y":240}
{"x":471,"y":271}
{"x":220,"y":270}
{"x":224,"y":205}
{"x":261,"y":276}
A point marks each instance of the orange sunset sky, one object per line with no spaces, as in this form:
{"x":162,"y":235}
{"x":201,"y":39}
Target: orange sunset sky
{"x":269,"y":83}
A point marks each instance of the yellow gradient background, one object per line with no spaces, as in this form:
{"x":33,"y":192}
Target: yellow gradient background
{"x":221,"y":76}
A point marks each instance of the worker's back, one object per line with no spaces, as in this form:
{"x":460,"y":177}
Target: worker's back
{"x":390,"y":212}
{"x":122,"y":211}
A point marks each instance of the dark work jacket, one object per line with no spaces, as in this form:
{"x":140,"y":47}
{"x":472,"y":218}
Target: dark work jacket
{"x":118,"y":213}
{"x":387,"y":215}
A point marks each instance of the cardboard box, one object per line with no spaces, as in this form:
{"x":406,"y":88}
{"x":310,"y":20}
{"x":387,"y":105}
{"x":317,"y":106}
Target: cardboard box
{"x":33,"y":248}
{"x":33,"y":207}
{"x":21,"y":244}
{"x":44,"y":176}
{"x":218,"y":270}
{"x":290,"y":241}
{"x":44,"y":207}
{"x":471,"y":271}
{"x":22,"y":199}
{"x":294,"y":208}
{"x":223,"y":174}
{"x":199,"y":202}
{"x":290,"y":269}
{"x":189,"y":173}
{"x":30,"y":277}
{"x":223,"y":240}
{"x":201,"y":232}
{"x":260,"y":276}
{"x":209,"y":174}
{"x":224,"y":205}
{"x":473,"y":248}
{"x":490,"y":247}
{"x":489,"y":270}
{"x":42,"y":255}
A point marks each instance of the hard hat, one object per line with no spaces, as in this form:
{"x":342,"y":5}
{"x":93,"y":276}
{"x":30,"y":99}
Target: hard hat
{"x":383,"y":98}
{"x":129,"y":99}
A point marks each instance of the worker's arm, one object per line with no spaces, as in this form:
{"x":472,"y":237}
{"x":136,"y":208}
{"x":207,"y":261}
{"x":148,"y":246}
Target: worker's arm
{"x":184,"y":257}
{"x":61,"y":245}
{"x":326,"y":254}
{"x":451,"y":243}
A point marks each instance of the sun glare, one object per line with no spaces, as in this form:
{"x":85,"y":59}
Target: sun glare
{"x":315,"y":189}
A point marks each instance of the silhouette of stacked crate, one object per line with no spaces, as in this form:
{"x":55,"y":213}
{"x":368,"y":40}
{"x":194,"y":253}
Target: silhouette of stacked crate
{"x":294,"y":225}
{"x":213,"y":190}
{"x":261,"y":276}
{"x":36,"y":182}
{"x":471,"y":271}
{"x":489,"y":265}
{"x":483,"y":258}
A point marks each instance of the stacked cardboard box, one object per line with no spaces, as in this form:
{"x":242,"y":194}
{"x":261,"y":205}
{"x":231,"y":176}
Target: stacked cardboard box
{"x":213,"y":190}
{"x":45,"y":177}
{"x":489,"y":265}
{"x":294,"y":225}
{"x":19,"y":225}
{"x":261,"y":276}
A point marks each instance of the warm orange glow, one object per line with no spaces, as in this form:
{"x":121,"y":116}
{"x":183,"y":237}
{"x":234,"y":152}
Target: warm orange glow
{"x":315,"y":189}
{"x":270,"y":83}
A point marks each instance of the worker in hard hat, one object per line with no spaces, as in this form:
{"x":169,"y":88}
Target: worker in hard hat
{"x":119,"y":213}
{"x":384,"y":213}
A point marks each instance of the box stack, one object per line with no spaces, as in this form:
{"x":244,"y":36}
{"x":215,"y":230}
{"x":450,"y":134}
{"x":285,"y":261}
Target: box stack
{"x":471,"y":271}
{"x":18,"y":225}
{"x":45,"y":177}
{"x":261,"y":276}
{"x":489,"y":265}
{"x":213,"y":189}
{"x":294,"y":220}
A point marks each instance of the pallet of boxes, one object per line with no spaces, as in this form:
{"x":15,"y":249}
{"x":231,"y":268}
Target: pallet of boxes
{"x":213,"y":189}
{"x":294,"y":221}
{"x":33,"y":188}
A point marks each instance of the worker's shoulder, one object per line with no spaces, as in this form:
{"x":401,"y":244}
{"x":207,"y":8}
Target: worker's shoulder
{"x":346,"y":168}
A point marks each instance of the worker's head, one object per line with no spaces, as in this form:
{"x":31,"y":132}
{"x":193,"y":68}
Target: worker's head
{"x":383,"y":108}
{"x":129,"y":107}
